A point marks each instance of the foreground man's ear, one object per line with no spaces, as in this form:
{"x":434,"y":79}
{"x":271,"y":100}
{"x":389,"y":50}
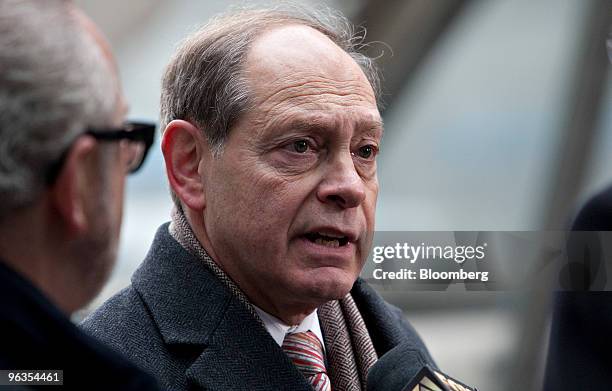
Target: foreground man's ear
{"x":183,"y":146}
{"x":71,"y":189}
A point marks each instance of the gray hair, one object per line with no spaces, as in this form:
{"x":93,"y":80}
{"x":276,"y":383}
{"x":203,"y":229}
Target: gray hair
{"x":54,"y":83}
{"x":204,"y":81}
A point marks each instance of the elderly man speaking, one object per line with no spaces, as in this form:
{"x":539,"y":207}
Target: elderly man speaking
{"x":271,"y":135}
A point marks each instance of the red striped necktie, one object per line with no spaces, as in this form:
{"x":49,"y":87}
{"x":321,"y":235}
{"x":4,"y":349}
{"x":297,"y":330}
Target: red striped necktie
{"x":306,"y":352}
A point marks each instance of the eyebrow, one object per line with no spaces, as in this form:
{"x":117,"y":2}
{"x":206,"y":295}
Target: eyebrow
{"x":373,"y":126}
{"x":376,"y":125}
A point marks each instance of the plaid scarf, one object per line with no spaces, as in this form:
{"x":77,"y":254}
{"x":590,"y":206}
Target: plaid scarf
{"x":349,"y":349}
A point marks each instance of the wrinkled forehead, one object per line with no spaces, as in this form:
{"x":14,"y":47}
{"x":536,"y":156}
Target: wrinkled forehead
{"x":289,"y":57}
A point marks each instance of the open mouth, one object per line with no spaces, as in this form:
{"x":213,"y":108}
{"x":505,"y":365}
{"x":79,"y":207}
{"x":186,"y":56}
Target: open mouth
{"x":327,"y":240}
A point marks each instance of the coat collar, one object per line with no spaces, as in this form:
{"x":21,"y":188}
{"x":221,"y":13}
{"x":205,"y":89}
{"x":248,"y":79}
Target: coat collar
{"x":191,"y":306}
{"x":184,"y":298}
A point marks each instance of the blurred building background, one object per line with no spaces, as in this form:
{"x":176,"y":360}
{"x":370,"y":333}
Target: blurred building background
{"x":478,"y":124}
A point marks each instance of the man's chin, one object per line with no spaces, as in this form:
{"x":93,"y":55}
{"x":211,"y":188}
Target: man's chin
{"x":326,"y":286}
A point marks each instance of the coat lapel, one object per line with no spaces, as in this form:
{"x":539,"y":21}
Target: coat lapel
{"x":385,"y":323}
{"x":241,"y":355}
{"x":192,"y":307}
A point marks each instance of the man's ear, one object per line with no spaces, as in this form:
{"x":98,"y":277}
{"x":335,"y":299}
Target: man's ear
{"x":184,"y":146}
{"x":69,"y":192}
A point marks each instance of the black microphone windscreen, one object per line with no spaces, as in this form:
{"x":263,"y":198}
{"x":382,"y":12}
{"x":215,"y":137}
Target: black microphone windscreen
{"x":396,"y":369}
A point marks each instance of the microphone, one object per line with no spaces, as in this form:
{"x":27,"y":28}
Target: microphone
{"x":405,"y":368}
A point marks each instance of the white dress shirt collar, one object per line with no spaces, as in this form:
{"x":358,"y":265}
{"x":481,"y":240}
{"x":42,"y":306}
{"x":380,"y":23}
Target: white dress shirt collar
{"x":278,"y":329}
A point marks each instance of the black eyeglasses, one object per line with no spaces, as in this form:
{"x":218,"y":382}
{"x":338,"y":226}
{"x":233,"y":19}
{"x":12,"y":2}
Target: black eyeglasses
{"x":140,"y":136}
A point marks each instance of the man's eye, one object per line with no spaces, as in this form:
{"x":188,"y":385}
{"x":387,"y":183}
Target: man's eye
{"x":366,"y":152}
{"x":300,"y":146}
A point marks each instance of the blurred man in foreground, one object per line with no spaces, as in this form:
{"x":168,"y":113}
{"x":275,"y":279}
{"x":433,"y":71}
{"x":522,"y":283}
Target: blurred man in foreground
{"x":579,"y":344}
{"x":271,"y":134}
{"x":64,"y":154}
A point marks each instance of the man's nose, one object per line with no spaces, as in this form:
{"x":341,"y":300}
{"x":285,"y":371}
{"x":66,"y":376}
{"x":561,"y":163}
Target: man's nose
{"x":342,"y":184}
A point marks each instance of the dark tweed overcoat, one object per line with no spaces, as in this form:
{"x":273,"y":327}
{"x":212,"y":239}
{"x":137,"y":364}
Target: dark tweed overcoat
{"x":181,"y":324}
